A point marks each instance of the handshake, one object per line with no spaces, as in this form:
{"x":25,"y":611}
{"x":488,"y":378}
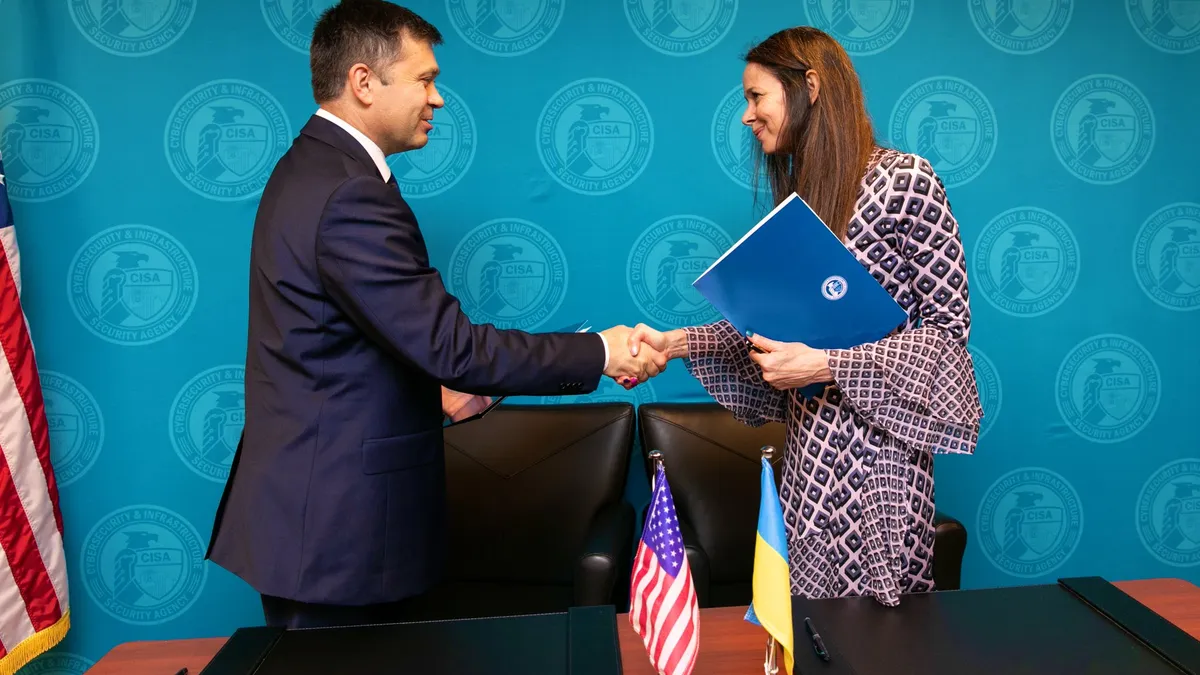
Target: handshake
{"x":634,"y":355}
{"x":640,"y":353}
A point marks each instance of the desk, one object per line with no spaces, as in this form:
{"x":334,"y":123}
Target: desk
{"x":728,"y":644}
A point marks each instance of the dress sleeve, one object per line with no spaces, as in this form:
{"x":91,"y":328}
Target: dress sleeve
{"x":919,"y":384}
{"x":719,"y":359}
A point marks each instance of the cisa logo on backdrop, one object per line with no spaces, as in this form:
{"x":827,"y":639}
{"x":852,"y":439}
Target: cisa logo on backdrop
{"x":132,"y":27}
{"x":1021,"y":27}
{"x":1107,"y":388}
{"x":76,"y":426}
{"x":143,"y":564}
{"x":594,"y":136}
{"x":509,"y":272}
{"x":224,"y":137}
{"x":680,"y":27}
{"x":664,"y":261}
{"x":1029,"y":261}
{"x":505,"y":27}
{"x":733,"y":143}
{"x":58,"y":663}
{"x":950,"y":123}
{"x":862,"y":26}
{"x":132,"y":284}
{"x":292,"y":21}
{"x":47,"y":137}
{"x":1166,"y":256}
{"x":1172,"y":27}
{"x":444,"y":160}
{"x":206,"y":420}
{"x":987,"y":379}
{"x":1030,"y":522}
{"x":1168,"y":513}
{"x":1102,"y":129}
{"x":608,"y":391}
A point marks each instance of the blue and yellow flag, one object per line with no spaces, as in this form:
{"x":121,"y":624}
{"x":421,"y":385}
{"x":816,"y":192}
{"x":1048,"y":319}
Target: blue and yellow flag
{"x":771,"y":606}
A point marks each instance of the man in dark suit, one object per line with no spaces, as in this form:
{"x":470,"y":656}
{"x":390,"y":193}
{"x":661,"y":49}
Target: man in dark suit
{"x":334,"y":507}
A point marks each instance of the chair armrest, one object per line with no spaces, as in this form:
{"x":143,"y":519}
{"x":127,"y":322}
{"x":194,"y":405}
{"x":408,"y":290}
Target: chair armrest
{"x":606,"y":552}
{"x":949,"y":547}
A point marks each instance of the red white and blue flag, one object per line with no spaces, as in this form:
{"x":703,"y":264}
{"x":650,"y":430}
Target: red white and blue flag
{"x":34,"y":608}
{"x":662,"y":603}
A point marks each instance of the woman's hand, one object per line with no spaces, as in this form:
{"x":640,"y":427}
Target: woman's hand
{"x":672,"y":343}
{"x":790,"y":365}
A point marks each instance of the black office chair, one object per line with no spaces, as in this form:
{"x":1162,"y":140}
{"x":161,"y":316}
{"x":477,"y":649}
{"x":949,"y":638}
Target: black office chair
{"x":537,"y":520}
{"x":713,"y":463}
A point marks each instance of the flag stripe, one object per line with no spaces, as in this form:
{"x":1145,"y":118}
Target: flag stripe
{"x":31,"y":433}
{"x":25,"y":526}
{"x":668,"y":618}
{"x":770,"y":520}
{"x":667,"y":622}
{"x":18,"y":348}
{"x":31,"y":532}
{"x":650,"y":599}
{"x":691,"y":646}
{"x":679,"y":641}
{"x":637,"y":615}
{"x":15,"y":626}
{"x":19,"y":487}
{"x":34,"y":603}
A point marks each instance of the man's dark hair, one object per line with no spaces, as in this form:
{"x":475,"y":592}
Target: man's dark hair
{"x":361,"y":31}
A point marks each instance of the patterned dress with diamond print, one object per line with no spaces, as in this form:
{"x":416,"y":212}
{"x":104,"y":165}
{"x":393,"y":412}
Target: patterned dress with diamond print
{"x":857,"y":485}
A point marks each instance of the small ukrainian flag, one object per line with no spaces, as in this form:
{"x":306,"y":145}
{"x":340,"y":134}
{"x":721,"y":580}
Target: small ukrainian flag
{"x":771,"y":606}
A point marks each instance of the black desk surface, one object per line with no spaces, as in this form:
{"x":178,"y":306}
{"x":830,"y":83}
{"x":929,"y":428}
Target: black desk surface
{"x":580,"y":641}
{"x":1031,"y":630}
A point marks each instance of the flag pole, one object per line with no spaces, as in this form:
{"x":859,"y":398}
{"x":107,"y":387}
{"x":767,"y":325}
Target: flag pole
{"x":656,"y":456}
{"x":770,"y":667}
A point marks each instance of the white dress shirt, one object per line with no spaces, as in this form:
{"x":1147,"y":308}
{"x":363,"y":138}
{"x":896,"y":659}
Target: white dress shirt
{"x":381,"y":162}
{"x":373,"y":150}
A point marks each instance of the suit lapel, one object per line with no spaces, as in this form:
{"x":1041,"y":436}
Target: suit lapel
{"x":327,"y":132}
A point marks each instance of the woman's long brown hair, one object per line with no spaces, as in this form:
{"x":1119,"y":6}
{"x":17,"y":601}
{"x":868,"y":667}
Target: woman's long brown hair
{"x":823,"y":147}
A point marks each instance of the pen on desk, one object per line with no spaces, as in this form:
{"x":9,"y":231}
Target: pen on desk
{"x":818,"y":644}
{"x":182,"y":671}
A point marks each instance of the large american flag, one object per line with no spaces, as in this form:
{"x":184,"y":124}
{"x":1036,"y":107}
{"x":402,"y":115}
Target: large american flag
{"x":34,"y":608}
{"x":663,"y":607}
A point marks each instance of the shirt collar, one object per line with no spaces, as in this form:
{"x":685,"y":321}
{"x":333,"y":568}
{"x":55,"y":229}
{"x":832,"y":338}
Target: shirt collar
{"x":372,"y":149}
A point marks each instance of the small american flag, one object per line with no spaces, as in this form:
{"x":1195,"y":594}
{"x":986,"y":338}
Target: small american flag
{"x":663,"y":608}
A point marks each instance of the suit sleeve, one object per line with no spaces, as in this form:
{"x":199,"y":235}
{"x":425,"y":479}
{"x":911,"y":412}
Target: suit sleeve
{"x":372,"y":261}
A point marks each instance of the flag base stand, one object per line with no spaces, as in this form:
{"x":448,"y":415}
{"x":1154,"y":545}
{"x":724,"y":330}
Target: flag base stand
{"x":770,"y":667}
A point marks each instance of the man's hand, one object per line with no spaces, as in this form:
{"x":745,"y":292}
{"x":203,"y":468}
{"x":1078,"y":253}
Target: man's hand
{"x":458,"y":405}
{"x":628,"y":370}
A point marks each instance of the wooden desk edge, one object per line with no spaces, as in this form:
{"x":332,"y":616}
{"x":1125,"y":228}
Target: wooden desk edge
{"x":189,"y":651}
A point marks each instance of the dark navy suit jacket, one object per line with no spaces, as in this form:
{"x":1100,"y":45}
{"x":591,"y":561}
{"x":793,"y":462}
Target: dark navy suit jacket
{"x":336,"y":494}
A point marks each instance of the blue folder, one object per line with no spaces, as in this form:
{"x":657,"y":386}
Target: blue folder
{"x":790,"y":279}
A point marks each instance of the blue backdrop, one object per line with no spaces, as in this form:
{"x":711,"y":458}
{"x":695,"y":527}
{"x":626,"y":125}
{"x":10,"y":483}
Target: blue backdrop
{"x":137,"y":135}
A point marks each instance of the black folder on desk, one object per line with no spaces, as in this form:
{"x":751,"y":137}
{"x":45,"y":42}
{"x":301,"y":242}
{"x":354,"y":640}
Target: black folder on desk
{"x":1083,"y":626}
{"x":580,"y":641}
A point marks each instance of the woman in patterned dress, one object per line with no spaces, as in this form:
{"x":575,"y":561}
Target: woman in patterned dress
{"x":857,"y":486}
